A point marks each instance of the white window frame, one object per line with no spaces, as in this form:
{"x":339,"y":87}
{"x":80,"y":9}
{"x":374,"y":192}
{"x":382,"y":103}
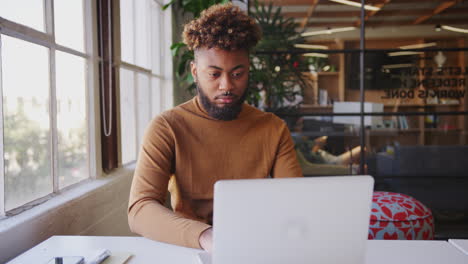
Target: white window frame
{"x":165,"y":76}
{"x":47,"y":40}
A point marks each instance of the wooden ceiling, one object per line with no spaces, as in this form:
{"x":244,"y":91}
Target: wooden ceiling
{"x":324,"y":14}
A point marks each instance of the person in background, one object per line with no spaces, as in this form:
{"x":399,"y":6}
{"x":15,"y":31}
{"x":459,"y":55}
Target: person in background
{"x":213,"y":136}
{"x":312,"y":149}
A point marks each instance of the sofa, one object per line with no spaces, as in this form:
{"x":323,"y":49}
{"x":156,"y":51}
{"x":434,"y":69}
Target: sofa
{"x":424,"y":161}
{"x":435,"y":175}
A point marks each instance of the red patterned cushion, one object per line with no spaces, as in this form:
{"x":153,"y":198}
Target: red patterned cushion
{"x":399,"y":216}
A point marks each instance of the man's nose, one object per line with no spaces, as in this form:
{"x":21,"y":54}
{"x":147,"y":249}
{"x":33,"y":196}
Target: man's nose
{"x":226,"y":83}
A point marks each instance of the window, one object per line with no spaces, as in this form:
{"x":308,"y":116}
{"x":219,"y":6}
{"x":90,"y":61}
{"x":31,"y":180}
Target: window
{"x":145,"y":70}
{"x":32,"y":17}
{"x":45,"y":79}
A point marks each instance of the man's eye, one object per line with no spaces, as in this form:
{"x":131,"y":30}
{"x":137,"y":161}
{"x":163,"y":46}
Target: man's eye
{"x":214,"y":74}
{"x":236,"y":74}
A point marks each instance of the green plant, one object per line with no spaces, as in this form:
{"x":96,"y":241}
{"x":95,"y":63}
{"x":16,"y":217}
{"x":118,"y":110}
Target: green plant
{"x":276,"y":70}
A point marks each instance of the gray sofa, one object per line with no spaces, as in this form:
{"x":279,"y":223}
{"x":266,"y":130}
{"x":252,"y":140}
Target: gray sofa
{"x":424,"y":161}
{"x":435,"y":175}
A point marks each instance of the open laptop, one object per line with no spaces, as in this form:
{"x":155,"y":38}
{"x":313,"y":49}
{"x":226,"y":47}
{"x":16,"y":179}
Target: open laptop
{"x":293,"y":220}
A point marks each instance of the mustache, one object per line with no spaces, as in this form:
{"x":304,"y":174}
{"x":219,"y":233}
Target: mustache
{"x":226,"y":94}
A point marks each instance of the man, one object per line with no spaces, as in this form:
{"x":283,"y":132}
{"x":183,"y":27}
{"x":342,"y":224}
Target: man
{"x":211,"y":137}
{"x":313,"y":152}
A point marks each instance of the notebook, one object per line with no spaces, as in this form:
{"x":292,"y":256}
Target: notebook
{"x":291,"y":220}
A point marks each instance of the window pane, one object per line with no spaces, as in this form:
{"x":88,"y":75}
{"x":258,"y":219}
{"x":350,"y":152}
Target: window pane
{"x":156,"y":106}
{"x":156,"y":37}
{"x":71,"y":119}
{"x":27,"y":12}
{"x":69,"y":24}
{"x":127,"y":116}
{"x":126,"y":30}
{"x":142,"y":40}
{"x":143,"y":104}
{"x":27,"y":157}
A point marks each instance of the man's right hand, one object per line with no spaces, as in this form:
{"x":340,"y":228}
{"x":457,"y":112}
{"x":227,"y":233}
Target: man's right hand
{"x":206,"y":239}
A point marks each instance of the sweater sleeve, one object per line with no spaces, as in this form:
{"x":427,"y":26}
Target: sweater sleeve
{"x":286,"y":164}
{"x":147,"y":214}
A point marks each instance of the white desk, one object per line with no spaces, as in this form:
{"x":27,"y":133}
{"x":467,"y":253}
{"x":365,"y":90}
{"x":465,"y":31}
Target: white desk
{"x":147,"y":251}
{"x":461,"y":244}
{"x":143,"y":250}
{"x":413,"y":251}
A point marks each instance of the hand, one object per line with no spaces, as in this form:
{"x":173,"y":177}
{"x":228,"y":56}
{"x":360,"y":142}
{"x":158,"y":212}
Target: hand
{"x":206,"y":239}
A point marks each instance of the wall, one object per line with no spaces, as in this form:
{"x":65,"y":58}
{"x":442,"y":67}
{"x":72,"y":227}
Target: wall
{"x":95,"y":208}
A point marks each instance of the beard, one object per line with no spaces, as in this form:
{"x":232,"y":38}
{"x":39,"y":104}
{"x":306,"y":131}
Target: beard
{"x":225,"y":113}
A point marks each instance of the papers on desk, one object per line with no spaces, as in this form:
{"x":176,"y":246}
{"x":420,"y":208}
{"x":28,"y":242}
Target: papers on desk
{"x":118,"y":258}
{"x":98,"y":257}
{"x":104,"y":256}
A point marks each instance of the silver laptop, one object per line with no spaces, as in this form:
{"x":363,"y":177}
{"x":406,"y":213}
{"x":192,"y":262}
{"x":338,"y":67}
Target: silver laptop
{"x":294,"y":220}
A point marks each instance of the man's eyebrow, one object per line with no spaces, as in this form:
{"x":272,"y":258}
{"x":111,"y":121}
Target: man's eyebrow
{"x":219,"y":68}
{"x":215,"y":67}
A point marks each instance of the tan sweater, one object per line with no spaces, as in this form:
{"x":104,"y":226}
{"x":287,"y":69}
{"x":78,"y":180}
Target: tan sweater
{"x":186,"y":151}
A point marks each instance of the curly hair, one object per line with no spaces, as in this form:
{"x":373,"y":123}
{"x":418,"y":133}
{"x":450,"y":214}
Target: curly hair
{"x":222,"y":26}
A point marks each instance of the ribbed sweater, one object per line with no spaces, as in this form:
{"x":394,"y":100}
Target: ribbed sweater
{"x":186,"y":151}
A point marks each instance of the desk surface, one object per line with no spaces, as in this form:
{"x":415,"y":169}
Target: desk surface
{"x":142,"y":249}
{"x":147,"y":251}
{"x":413,"y":251}
{"x":461,"y":244}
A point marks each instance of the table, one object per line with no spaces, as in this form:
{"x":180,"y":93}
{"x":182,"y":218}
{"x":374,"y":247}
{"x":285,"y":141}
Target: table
{"x":148,"y":251}
{"x":461,"y":244}
{"x":413,"y":251}
{"x":142,"y":249}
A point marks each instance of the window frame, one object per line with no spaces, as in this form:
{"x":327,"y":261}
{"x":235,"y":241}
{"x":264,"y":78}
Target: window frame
{"x":164,"y":75}
{"x":99,"y":163}
{"x":47,"y":39}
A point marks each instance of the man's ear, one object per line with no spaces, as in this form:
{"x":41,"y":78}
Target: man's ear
{"x":193,"y":70}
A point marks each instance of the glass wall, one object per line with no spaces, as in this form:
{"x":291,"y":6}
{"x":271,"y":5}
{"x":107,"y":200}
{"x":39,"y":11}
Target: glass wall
{"x":402,"y":115}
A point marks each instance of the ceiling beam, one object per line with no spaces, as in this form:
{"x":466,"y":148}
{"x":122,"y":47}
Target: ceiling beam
{"x":286,"y":2}
{"x":372,"y":13}
{"x":308,"y":15}
{"x":330,"y":24}
{"x":382,"y":13}
{"x":420,"y":12}
{"x":408,"y":23}
{"x":324,"y":2}
{"x":322,"y":14}
{"x":384,"y":23}
{"x":437,"y":10}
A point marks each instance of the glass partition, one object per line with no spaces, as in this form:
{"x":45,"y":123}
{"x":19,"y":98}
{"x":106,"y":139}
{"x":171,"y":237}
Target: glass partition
{"x":404,"y":109}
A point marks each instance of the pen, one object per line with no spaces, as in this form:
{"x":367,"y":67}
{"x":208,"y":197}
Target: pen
{"x":100,"y":257}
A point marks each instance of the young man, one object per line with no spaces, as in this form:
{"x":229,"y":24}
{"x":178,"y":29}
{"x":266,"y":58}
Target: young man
{"x":211,"y":137}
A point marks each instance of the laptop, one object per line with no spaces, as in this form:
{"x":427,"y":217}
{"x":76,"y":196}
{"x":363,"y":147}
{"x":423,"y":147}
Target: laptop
{"x":291,"y":220}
